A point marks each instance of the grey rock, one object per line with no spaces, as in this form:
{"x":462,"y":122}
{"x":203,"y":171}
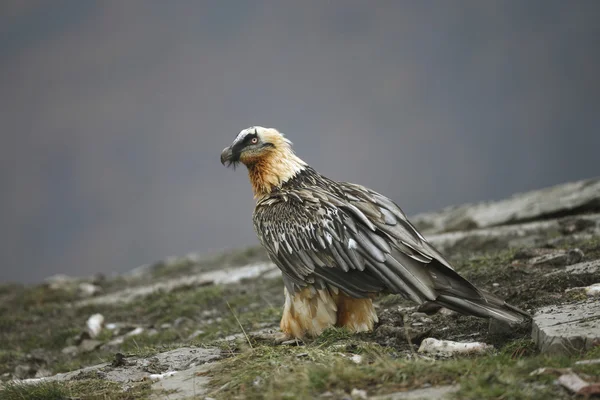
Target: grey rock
{"x":558,"y":258}
{"x":528,"y":234}
{"x":184,"y":362}
{"x":42,"y":373}
{"x":588,"y":267}
{"x":24,"y":371}
{"x":39,"y":356}
{"x":567,"y":329}
{"x":70,"y":350}
{"x":89,"y":345}
{"x":182,"y":321}
{"x":60,"y":281}
{"x":568,"y":198}
{"x":185,"y":384}
{"x":88,"y":290}
{"x":218,"y":277}
{"x":435,"y":392}
{"x":569,"y":226}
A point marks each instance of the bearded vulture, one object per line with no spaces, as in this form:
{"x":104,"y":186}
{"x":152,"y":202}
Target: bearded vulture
{"x":339,"y":244}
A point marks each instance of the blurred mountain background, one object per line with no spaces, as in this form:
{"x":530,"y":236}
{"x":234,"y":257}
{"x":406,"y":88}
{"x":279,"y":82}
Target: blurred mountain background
{"x":113,"y":114}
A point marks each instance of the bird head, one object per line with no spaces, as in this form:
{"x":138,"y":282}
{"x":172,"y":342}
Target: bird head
{"x":254,"y":144}
{"x":267,"y":154}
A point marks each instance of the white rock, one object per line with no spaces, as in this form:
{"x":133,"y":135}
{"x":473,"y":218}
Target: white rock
{"x":137,"y":331}
{"x":111,"y":326}
{"x":155,"y":377}
{"x":196,"y":333}
{"x":94,"y":324}
{"x":593,"y":290}
{"x":448,"y":347}
{"x":356,"y":358}
{"x":115,"y":342}
{"x":572,"y":382}
{"x":88,"y":290}
{"x":359,"y":394}
{"x":588,"y":362}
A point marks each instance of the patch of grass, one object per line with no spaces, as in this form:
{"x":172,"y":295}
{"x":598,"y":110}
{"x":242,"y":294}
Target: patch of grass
{"x":42,"y":391}
{"x":84,"y":389}
{"x":307,"y":372}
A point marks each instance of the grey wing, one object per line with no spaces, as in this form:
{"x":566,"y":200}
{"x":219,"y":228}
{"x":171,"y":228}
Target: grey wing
{"x":361,"y":244}
{"x":423,"y":271}
{"x":311,"y":242}
{"x":411,"y":266}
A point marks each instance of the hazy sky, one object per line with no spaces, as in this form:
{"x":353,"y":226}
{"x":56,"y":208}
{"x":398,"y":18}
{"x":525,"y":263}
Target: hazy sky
{"x":114,"y":113}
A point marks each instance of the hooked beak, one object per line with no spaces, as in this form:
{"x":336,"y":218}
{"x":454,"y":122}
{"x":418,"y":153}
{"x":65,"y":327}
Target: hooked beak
{"x":227,"y":157}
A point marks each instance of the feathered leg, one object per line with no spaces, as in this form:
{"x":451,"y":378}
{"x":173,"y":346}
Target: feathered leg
{"x":308,"y":312}
{"x":357,"y":315}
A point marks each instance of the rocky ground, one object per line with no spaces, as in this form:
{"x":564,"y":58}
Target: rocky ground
{"x":196,"y":327}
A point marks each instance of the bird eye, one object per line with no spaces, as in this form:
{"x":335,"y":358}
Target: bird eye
{"x":254,"y":140}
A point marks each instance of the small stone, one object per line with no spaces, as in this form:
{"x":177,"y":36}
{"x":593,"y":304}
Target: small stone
{"x":572,"y":382}
{"x":356,"y":358}
{"x":137,"y":331}
{"x":167,"y":374}
{"x":42,"y":373}
{"x":89,"y":345}
{"x":447,"y":312}
{"x":70,"y":350}
{"x":39,"y":356}
{"x":448,"y":347}
{"x":359,"y":394}
{"x":24,"y":371}
{"x":181,"y":321}
{"x":88,"y":290}
{"x":116,"y":342}
{"x":119,"y":360}
{"x":593,"y":290}
{"x":94,"y":325}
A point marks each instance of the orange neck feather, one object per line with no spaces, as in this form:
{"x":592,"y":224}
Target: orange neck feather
{"x":272,"y":170}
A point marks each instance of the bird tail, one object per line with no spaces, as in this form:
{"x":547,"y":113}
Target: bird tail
{"x":489,"y":306}
{"x":457,"y":294}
